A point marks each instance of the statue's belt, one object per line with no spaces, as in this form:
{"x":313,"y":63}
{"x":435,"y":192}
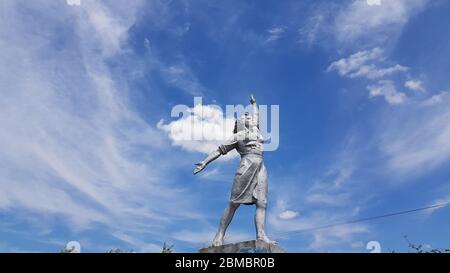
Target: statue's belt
{"x":256,"y":153}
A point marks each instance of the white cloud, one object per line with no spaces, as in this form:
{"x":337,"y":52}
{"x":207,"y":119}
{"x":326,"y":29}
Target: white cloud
{"x":288,"y":214}
{"x":435,"y":99}
{"x":138,"y":244}
{"x":364,"y":64}
{"x":366,"y":22}
{"x":353,"y":63}
{"x":328,"y":198}
{"x":438,"y":201}
{"x":274,"y":34}
{"x":417,"y":143}
{"x":373,"y":2}
{"x":312,"y":29}
{"x":202,"y":131}
{"x":415,"y":85}
{"x":327,"y":238}
{"x":373,"y":72}
{"x":73,"y":2}
{"x":181,"y":77}
{"x":314,"y":201}
{"x":358,"y":20}
{"x":71,"y":144}
{"x":197,"y":237}
{"x":147,"y":43}
{"x":321,"y":239}
{"x":358,"y":244}
{"x":331,"y":189}
{"x":215,"y":174}
{"x":108,"y":32}
{"x":386,"y":89}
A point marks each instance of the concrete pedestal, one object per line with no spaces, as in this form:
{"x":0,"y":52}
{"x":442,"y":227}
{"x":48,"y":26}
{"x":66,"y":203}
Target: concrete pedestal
{"x":252,"y":246}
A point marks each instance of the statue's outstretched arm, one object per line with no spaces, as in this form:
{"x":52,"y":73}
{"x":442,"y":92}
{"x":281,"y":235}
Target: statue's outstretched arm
{"x":210,"y":158}
{"x":223,"y":149}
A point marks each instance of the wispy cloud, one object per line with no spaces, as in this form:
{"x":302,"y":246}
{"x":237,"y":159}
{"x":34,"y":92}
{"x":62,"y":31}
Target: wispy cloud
{"x":417,"y":143}
{"x":274,"y":34}
{"x":338,"y":237}
{"x":72,"y":144}
{"x":436,"y":99}
{"x":73,"y":2}
{"x":353,"y":64}
{"x":312,"y":29}
{"x":386,"y":89}
{"x":328,"y":199}
{"x":410,"y":145}
{"x":138,"y":244}
{"x":331,"y":197}
{"x":215,"y":174}
{"x":181,"y":77}
{"x":362,"y":21}
{"x":365,"y":64}
{"x":288,"y":214}
{"x":415,"y":85}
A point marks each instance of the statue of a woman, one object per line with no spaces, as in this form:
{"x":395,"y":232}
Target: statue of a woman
{"x":250,"y":181}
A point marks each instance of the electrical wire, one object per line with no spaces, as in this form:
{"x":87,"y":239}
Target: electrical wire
{"x":371,"y":218}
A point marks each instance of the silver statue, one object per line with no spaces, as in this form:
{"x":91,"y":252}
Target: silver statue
{"x":250,"y":181}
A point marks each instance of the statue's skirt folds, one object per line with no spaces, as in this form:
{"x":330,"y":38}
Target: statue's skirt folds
{"x":250,"y":181}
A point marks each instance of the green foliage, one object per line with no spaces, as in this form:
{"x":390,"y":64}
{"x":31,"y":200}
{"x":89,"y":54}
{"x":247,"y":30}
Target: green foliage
{"x":420,"y":248}
{"x":67,"y":250}
{"x":167,"y":248}
{"x":118,"y":250}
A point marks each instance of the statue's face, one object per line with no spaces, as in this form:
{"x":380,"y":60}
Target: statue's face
{"x":247,"y":122}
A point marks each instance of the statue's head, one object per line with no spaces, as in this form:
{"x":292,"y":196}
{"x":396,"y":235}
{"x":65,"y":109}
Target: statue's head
{"x":243,"y":122}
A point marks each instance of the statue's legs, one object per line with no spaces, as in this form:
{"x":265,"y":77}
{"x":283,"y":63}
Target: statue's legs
{"x":224,"y":222}
{"x":260,"y":219}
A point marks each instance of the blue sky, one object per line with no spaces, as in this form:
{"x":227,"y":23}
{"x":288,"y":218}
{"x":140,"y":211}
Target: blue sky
{"x":87,"y":89}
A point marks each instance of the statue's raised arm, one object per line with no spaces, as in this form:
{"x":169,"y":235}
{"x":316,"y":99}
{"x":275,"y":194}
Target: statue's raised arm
{"x":255,"y":110}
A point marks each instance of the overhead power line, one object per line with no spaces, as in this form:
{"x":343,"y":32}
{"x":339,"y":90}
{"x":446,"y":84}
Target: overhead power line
{"x":372,"y":218}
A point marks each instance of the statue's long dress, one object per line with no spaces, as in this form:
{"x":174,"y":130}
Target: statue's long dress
{"x":250,"y":182}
